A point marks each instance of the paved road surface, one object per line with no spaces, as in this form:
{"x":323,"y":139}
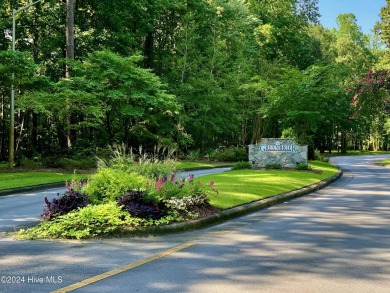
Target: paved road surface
{"x":333,"y":240}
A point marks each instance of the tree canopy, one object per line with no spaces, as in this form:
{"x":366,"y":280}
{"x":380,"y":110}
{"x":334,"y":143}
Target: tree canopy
{"x":190,"y":75}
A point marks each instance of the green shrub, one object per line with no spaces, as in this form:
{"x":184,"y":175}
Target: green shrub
{"x":150,"y":169}
{"x":302,"y":167}
{"x":69,"y":164}
{"x":142,"y":164}
{"x":273,"y":166}
{"x":320,"y":157}
{"x":242,"y":165}
{"x":91,"y":221}
{"x":231,"y":154}
{"x":30,"y":163}
{"x":194,"y":155}
{"x":108,"y":184}
{"x":166,"y":188}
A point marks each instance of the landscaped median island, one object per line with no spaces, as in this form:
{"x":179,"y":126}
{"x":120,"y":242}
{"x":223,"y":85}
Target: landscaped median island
{"x":123,"y":198}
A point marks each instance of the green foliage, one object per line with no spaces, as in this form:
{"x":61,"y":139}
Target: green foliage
{"x":231,"y":154}
{"x":303,"y":167}
{"x":193,"y":155}
{"x":147,"y":165}
{"x":242,"y":165}
{"x":165,"y":188}
{"x":91,"y":221}
{"x":320,"y":157}
{"x":108,"y":184}
{"x":273,"y":166}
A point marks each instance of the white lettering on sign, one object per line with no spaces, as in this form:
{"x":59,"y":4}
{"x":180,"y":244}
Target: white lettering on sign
{"x":278,"y":146}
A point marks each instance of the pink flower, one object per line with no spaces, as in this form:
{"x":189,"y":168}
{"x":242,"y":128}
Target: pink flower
{"x":159,"y":184}
{"x":211,"y":183}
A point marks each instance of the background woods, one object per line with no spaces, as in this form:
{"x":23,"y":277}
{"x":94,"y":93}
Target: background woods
{"x":189,"y":75}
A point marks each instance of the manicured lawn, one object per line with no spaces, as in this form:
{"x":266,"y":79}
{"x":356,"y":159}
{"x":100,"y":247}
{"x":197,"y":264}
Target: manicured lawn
{"x":244,"y":186}
{"x":385,"y":162}
{"x":22,"y":179}
{"x":188,"y":165}
{"x":357,"y":153}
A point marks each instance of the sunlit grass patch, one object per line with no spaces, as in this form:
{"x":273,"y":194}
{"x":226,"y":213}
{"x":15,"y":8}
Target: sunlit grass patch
{"x":22,"y":179}
{"x":244,"y":186}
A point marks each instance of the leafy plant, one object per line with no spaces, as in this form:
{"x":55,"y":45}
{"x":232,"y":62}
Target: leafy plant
{"x":109,"y":184}
{"x":302,"y":167}
{"x":242,"y":165}
{"x":90,"y":221}
{"x":273,"y":166}
{"x":142,"y":163}
{"x":194,"y":155}
{"x":137,"y":204}
{"x":64,"y":204}
{"x":174,"y":187}
{"x":231,"y":154}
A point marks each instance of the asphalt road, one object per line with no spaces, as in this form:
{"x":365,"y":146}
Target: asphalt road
{"x":333,"y":240}
{"x":25,"y":209}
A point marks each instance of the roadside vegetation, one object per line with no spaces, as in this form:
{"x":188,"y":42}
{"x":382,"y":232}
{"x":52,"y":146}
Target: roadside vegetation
{"x":22,"y":179}
{"x":129,"y":193}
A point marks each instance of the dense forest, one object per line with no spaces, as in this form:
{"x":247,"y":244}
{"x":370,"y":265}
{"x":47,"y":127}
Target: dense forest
{"x":195,"y":76}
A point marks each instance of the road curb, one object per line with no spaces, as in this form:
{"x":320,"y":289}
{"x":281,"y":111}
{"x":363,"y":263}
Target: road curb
{"x":234,"y":212}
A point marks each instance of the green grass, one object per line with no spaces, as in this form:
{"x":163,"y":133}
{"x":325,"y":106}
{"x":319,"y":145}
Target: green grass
{"x":244,"y":186}
{"x":21,"y":179}
{"x":385,"y":162}
{"x":357,"y":153}
{"x":188,"y":165}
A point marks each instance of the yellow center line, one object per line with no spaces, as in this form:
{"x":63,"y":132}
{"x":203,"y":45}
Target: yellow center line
{"x":130,"y":266}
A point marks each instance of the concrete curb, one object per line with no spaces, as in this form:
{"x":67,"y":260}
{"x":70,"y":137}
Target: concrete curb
{"x":236,"y":211}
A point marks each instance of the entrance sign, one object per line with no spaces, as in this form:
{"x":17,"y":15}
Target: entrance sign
{"x":284,"y":152}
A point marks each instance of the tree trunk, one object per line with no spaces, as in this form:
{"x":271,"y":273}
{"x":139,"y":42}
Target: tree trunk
{"x":2,"y":147}
{"x":69,"y":54}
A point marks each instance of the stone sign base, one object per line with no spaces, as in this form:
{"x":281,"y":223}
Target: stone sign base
{"x":284,"y":152}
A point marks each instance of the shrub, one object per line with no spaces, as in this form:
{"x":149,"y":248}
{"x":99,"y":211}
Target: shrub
{"x":231,"y":154}
{"x":242,"y":165}
{"x":273,"y":166}
{"x":137,"y":204}
{"x":30,"y":163}
{"x":69,"y":164}
{"x":194,"y":155}
{"x":90,"y":221}
{"x":143,"y":164}
{"x":149,"y":168}
{"x":64,"y":204}
{"x":187,"y":202}
{"x":320,"y":157}
{"x":302,"y":167}
{"x":164,"y":189}
{"x":108,"y":184}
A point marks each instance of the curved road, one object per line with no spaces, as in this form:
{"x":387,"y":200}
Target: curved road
{"x":333,"y":240}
